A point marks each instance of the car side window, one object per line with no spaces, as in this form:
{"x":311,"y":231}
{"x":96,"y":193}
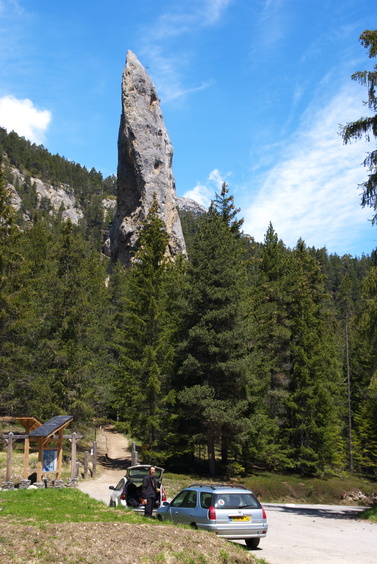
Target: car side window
{"x":190,"y":500}
{"x":178,"y":500}
{"x":120,"y":485}
{"x":205,"y":499}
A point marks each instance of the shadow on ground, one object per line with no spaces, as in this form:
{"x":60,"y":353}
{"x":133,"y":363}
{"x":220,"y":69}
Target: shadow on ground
{"x":336,"y":512}
{"x":114,"y":463}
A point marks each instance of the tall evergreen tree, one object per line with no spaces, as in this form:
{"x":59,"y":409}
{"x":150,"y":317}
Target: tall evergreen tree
{"x":213,"y":362}
{"x":145,"y":337}
{"x":312,"y":431}
{"x":60,"y":337}
{"x":366,"y":412}
{"x":10,"y":265}
{"x":367,"y":126}
{"x":270,"y":335}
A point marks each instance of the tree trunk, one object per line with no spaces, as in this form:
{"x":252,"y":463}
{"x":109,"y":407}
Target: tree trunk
{"x":224,"y":450}
{"x":211,"y":456}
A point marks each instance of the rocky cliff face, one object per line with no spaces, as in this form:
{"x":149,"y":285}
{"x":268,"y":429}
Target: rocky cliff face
{"x":145,"y":158}
{"x":189,"y":205}
{"x":60,"y":197}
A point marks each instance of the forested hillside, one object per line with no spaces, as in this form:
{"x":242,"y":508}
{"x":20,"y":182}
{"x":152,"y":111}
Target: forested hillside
{"x":245,"y":355}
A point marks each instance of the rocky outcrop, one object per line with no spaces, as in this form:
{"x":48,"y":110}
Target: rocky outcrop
{"x":59,"y":197}
{"x":145,"y":158}
{"x":189,"y":205}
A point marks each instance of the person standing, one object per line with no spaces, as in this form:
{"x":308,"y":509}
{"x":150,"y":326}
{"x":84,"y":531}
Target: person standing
{"x":149,"y":491}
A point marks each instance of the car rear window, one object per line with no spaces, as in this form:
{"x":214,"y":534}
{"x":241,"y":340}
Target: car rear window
{"x":137,"y":474}
{"x":235,"y":501}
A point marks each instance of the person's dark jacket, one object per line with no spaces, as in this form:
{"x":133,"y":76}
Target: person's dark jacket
{"x":149,"y":487}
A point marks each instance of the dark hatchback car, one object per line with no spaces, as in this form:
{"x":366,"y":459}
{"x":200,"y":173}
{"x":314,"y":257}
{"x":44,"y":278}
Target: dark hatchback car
{"x":231,"y":512}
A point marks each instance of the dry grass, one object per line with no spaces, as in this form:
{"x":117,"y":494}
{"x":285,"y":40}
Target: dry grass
{"x":95,"y":543}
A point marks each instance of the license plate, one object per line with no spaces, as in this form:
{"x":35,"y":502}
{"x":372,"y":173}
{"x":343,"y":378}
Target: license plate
{"x":240,"y":518}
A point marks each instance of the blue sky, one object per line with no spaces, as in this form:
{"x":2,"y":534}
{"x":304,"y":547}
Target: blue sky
{"x":252,"y":93}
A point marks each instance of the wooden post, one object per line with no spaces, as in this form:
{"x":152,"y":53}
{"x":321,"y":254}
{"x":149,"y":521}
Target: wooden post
{"x":133,"y":454}
{"x":60,"y":455}
{"x":8,"y":473}
{"x":40,"y":459}
{"x":94,"y":470}
{"x":86,"y":464}
{"x":26,"y":458}
{"x":73,"y":456}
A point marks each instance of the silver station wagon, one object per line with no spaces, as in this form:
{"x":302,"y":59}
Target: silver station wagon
{"x":231,"y":512}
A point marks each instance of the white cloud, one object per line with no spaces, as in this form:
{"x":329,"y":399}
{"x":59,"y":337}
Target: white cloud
{"x":312,"y":191}
{"x":200,"y":194}
{"x":217,"y":178}
{"x":24,"y":118}
{"x":204,"y":193}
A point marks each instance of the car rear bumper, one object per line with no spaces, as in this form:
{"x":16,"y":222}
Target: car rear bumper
{"x":231,"y":532}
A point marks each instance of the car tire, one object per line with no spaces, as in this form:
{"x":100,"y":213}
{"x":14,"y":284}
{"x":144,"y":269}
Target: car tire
{"x":252,"y":543}
{"x":159,"y":518}
{"x":193,"y":525}
{"x":112,"y":503}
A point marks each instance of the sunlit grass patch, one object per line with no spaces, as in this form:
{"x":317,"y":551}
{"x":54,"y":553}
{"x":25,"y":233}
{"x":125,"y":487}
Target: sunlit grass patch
{"x":50,"y":505}
{"x":370,"y":514}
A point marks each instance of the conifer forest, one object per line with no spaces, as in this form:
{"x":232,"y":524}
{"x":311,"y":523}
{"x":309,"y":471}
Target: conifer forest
{"x":244,"y":353}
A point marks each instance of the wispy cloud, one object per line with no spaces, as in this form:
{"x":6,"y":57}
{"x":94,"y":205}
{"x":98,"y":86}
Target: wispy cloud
{"x":187,"y":17}
{"x":168,"y":70}
{"x":168,"y":76}
{"x":9,"y":6}
{"x":312,"y":190}
{"x":24,"y":118}
{"x":213,"y":10}
{"x":204,"y":193}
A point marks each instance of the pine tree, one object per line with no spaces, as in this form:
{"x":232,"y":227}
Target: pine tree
{"x":10,"y":265}
{"x":213,"y":363}
{"x":60,"y":338}
{"x":312,"y":431}
{"x":145,"y":337}
{"x":270,"y":335}
{"x":366,"y":126}
{"x":366,"y":411}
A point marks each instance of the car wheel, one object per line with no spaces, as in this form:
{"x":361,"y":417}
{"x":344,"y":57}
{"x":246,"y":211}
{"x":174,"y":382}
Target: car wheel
{"x":252,"y":543}
{"x":112,"y":503}
{"x":159,"y":518}
{"x":193,"y":525}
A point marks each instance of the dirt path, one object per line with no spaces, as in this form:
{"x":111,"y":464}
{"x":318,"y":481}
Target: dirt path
{"x":114,"y":456}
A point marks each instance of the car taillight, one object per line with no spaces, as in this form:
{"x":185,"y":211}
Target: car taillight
{"x":163,"y":494}
{"x":211,"y":513}
{"x":264,"y":516}
{"x":122,"y":496}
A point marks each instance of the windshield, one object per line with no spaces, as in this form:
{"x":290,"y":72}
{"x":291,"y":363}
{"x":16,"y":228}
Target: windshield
{"x":137,"y":473}
{"x":235,"y":501}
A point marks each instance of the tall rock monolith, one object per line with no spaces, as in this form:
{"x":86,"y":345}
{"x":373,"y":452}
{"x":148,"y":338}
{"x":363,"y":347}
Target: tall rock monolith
{"x":145,"y":156}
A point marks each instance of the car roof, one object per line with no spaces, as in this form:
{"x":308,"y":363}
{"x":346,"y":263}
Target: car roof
{"x":220,"y":487}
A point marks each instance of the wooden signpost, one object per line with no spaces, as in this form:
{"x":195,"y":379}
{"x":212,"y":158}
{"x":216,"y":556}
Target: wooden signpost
{"x":46,"y":435}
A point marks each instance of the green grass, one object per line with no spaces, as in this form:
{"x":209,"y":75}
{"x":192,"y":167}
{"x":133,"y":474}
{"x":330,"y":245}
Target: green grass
{"x":370,"y":514}
{"x":50,"y":505}
{"x":278,"y":488}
